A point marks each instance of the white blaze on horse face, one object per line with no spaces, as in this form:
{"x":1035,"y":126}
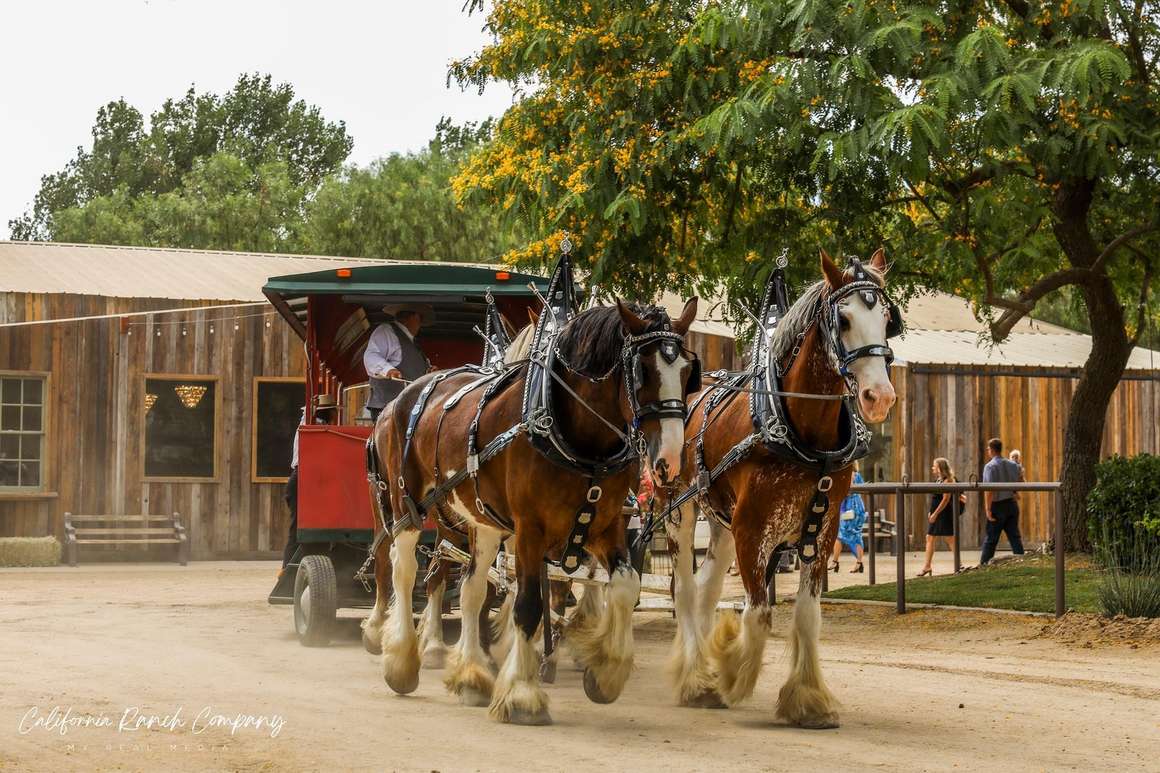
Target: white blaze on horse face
{"x":866,"y":326}
{"x":665,"y":464}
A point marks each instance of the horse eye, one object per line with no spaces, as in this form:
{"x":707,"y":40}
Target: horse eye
{"x":843,"y":324}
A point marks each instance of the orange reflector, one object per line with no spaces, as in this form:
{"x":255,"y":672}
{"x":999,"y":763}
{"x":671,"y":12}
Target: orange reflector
{"x":343,"y":273}
{"x":502,"y":276}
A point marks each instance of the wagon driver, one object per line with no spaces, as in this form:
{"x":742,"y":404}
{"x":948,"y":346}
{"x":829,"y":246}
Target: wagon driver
{"x":392,"y":358}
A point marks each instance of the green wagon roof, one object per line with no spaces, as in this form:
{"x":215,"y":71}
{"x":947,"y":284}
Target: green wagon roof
{"x":406,"y":279}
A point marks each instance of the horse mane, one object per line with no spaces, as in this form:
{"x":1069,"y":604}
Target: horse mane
{"x":803,"y":312}
{"x":591,"y":341}
{"x":520,"y":346}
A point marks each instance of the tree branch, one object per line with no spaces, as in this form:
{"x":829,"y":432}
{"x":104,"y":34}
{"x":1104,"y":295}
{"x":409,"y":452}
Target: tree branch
{"x":1018,"y":309}
{"x":1120,"y":240}
{"x":1142,"y":308}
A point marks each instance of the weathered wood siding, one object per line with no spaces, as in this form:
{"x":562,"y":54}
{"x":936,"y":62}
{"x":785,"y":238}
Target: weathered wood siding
{"x":953,"y":412}
{"x":95,"y":413}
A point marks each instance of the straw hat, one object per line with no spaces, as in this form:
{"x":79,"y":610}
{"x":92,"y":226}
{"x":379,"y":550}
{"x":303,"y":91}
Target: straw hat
{"x":324,"y":401}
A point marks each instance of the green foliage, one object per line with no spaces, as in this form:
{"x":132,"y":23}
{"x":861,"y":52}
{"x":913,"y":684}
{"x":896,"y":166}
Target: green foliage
{"x":1124,"y":511}
{"x":256,"y":136}
{"x":689,"y":143}
{"x":402,"y":207}
{"x":1130,"y":583}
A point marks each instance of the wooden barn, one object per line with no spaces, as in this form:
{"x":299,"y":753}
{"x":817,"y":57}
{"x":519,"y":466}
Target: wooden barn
{"x":140,"y":381}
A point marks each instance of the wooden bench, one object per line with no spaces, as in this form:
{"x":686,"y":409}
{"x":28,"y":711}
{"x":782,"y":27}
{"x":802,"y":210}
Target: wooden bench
{"x":124,"y":530}
{"x":883,"y":532}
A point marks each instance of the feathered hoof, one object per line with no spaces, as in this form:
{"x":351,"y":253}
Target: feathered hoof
{"x":401,"y":683}
{"x":548,"y":671}
{"x":538,"y":718}
{"x":709,"y":699}
{"x":371,"y":643}
{"x":822,"y":722}
{"x":435,"y":657}
{"x":473,"y":698}
{"x":592,"y":688}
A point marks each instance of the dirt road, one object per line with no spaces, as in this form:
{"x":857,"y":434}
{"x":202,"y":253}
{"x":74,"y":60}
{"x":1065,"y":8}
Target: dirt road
{"x":929,"y":691}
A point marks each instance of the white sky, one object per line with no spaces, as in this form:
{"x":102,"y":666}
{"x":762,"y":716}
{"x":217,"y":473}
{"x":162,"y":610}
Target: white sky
{"x":379,"y":66}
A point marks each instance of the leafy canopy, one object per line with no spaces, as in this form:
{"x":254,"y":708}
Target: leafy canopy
{"x":686,"y":142}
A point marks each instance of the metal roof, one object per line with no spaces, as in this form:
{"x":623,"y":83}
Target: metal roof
{"x":150,"y":272}
{"x":1045,"y":350}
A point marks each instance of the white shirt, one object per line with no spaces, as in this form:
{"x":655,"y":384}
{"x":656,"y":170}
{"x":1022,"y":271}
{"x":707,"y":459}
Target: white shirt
{"x":383,"y":352}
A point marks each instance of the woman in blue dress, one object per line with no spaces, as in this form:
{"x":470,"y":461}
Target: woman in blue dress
{"x":853,"y":518}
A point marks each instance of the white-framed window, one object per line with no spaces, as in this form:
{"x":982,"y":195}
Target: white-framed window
{"x":22,"y":420}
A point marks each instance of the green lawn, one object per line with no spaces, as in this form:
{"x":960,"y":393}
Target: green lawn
{"x":1027,"y":585}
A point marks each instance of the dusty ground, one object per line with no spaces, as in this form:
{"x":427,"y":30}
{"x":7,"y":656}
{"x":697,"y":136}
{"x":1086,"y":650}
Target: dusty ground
{"x":932,"y":690}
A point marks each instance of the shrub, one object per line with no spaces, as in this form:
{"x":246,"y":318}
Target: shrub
{"x":1130,"y":582}
{"x":1124,"y":511}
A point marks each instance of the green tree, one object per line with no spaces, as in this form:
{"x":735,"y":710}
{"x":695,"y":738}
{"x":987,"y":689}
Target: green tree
{"x":257,"y":123}
{"x":402,"y":207}
{"x":1003,"y":150}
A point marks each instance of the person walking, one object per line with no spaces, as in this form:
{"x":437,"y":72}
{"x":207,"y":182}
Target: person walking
{"x":940,"y":519}
{"x":853,"y":518}
{"x":1000,"y":507}
{"x":392,"y":358}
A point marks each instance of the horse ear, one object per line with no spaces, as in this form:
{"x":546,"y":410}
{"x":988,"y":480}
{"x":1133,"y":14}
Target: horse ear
{"x":688,"y":314}
{"x":878,"y":260}
{"x":835,"y":278}
{"x":634,"y":324}
{"x":508,"y":327}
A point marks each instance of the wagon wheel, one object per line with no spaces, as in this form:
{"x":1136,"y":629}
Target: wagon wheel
{"x":315,"y":601}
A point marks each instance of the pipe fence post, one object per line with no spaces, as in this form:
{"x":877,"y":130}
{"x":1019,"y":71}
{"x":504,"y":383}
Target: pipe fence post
{"x":873,"y":536}
{"x":955,"y":521}
{"x":900,"y":550}
{"x":1060,"y":595}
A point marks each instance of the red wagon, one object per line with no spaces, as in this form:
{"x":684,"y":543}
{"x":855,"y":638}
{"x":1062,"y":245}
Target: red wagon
{"x":335,"y":312}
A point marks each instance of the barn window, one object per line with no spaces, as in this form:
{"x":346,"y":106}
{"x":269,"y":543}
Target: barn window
{"x":21,"y":431}
{"x":180,"y":427}
{"x":277,"y":410}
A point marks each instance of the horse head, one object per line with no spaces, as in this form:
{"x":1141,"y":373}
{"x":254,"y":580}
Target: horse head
{"x":858,"y":318}
{"x":659,"y":373}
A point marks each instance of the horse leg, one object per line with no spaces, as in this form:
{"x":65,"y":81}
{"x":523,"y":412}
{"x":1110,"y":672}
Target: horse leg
{"x":558,"y":602}
{"x":688,"y":667}
{"x":737,"y":643}
{"x":587,"y":612}
{"x":434,"y":651}
{"x":711,"y":574}
{"x":372,"y":627}
{"x":518,"y":697}
{"x":605,"y":648}
{"x":804,"y":699}
{"x":469,"y":676}
{"x":400,"y":643}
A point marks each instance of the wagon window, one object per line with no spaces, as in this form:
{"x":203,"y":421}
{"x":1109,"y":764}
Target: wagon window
{"x":21,"y":432}
{"x":277,"y":410}
{"x":180,"y":427}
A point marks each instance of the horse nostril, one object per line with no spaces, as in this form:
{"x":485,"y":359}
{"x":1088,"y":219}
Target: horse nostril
{"x":869,"y":395}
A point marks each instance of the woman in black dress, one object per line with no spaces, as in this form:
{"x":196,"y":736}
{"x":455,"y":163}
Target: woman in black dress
{"x":940,"y":517}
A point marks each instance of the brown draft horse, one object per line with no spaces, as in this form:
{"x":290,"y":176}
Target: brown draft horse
{"x":539,"y":499}
{"x":766,"y":497}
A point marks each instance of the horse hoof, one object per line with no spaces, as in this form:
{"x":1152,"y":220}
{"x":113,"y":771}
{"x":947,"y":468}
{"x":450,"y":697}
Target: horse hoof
{"x":473,"y":698}
{"x":372,"y":645}
{"x":403,"y":685}
{"x":710,"y":699}
{"x":526,"y":717}
{"x":592,"y":689}
{"x":824,"y":722}
{"x":548,"y":672}
{"x":435,"y":657}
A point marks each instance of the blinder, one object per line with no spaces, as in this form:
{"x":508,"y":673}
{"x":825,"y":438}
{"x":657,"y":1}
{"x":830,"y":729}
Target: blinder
{"x":871,"y":292}
{"x":670,"y":348}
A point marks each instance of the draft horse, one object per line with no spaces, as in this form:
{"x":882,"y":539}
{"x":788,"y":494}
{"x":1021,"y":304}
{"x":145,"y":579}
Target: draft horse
{"x":543,"y":456}
{"x":768,"y":458}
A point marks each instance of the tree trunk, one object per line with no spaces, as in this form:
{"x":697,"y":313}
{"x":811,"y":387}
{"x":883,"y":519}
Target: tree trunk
{"x":1103,"y":369}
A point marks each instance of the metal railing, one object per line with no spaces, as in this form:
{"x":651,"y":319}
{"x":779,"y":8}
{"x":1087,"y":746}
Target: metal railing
{"x":901,"y":489}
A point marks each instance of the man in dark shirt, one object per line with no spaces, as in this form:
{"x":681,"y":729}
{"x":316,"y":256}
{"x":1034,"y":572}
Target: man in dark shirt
{"x":1002,"y":509}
